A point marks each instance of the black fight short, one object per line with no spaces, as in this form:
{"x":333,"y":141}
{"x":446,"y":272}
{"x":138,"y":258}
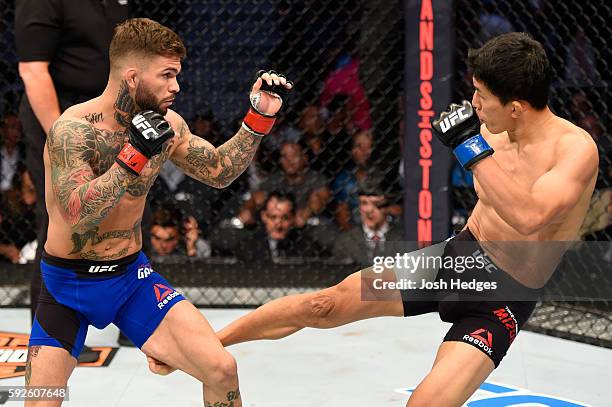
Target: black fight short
{"x":489,"y":322}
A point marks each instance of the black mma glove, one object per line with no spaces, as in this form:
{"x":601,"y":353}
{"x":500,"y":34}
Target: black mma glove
{"x":148,"y":132}
{"x":459,"y":129}
{"x":258,"y":122}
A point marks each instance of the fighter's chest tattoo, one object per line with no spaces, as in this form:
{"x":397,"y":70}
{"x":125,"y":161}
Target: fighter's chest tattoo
{"x":105,"y":146}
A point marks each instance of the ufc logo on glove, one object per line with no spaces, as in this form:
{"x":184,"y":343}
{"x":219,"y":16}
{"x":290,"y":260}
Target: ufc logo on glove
{"x":140,"y":122}
{"x":450,"y":121}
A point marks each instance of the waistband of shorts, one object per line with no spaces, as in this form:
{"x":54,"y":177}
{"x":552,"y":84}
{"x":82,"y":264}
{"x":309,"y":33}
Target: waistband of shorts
{"x":466,"y":234}
{"x":503,"y":277}
{"x":93,"y":267}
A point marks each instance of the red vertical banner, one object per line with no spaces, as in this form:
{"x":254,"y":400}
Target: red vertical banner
{"x":427,"y":89}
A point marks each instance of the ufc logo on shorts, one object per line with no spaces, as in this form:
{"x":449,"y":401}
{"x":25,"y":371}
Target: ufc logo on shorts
{"x":488,"y":264}
{"x":451,"y":119}
{"x":147,"y":131}
{"x":101,"y":269}
{"x":144,"y":272}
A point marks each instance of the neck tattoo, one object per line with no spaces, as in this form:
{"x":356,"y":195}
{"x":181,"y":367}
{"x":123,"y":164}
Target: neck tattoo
{"x":125,"y":108}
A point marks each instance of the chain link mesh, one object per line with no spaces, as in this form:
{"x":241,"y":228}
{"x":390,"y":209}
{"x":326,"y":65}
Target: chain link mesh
{"x":341,"y":130}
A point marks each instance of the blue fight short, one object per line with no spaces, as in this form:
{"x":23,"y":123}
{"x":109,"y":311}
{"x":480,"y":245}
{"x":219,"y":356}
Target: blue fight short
{"x":79,"y":293}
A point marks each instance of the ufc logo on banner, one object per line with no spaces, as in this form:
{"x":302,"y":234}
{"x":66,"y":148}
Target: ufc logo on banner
{"x":147,"y":131}
{"x":452,"y":118}
{"x":101,"y":269}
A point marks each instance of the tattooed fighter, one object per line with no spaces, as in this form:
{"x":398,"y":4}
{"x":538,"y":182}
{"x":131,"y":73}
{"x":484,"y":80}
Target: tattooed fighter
{"x":98,"y":174}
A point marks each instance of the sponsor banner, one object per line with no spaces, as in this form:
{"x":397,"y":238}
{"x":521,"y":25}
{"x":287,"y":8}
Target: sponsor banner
{"x":428,"y":69}
{"x":14,"y":354}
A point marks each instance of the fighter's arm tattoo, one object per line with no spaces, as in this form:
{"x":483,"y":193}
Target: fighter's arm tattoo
{"x":219,"y":166}
{"x":84,"y":199}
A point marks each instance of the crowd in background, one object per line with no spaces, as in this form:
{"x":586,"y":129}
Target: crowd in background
{"x":327,"y":183}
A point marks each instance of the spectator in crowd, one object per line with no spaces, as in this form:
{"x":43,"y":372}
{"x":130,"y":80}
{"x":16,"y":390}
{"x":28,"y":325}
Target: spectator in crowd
{"x":207,"y":205}
{"x":360,"y":170}
{"x":256,"y":173}
{"x":18,"y":217}
{"x":344,"y":80}
{"x":12,"y":151}
{"x":337,"y":134}
{"x":170,"y":177}
{"x":346,"y":184}
{"x":311,"y":125}
{"x":62,"y":47}
{"x":173,"y":235}
{"x":309,"y":188}
{"x":361,"y":244}
{"x":277,"y":238}
{"x":205,"y":125}
{"x":283,"y":132}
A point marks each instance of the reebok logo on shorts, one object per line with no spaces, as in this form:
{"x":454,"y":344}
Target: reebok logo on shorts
{"x":506,"y":317}
{"x":481,"y":338}
{"x":163,"y":294}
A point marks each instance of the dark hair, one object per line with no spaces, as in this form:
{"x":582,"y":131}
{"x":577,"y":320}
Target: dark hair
{"x":281,"y":196}
{"x":371,"y":186}
{"x":142,"y":36}
{"x":166,"y":216}
{"x":513,"y":66}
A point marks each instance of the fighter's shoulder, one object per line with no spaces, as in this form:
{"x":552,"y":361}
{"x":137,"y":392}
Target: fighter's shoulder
{"x":178,"y":124}
{"x":68,"y":124}
{"x":87,"y":111}
{"x":575,"y":144}
{"x":574,"y":139}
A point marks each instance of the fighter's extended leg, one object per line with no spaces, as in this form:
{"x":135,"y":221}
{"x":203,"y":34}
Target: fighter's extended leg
{"x":328,"y":308}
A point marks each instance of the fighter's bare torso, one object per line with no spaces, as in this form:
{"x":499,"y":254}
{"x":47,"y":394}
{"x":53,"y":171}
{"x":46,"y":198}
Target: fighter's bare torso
{"x":95,"y":206}
{"x":526,"y":164}
{"x":98,"y":137}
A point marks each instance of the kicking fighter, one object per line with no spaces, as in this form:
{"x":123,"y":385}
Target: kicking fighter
{"x":534,"y":175}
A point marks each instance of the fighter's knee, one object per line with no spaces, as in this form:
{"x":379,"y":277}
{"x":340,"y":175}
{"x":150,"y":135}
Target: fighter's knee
{"x":223,"y":372}
{"x":322,"y":307}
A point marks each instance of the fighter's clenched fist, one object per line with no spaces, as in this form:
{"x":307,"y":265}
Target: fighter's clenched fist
{"x":459,"y":129}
